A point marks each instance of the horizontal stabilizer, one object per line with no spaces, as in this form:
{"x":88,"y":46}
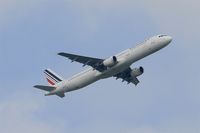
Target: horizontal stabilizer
{"x":45,"y":88}
{"x":60,"y":95}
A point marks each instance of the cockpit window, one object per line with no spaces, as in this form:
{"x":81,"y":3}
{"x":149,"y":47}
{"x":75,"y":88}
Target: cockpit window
{"x":162,"y":35}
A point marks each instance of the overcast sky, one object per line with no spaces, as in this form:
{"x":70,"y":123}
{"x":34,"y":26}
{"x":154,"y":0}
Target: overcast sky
{"x":32,"y":32}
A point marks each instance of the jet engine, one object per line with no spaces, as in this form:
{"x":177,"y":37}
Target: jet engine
{"x":137,"y":72}
{"x":110,"y":61}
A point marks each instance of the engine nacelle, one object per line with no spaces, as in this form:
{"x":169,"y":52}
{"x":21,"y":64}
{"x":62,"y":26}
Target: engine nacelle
{"x":110,"y":61}
{"x":137,"y":72}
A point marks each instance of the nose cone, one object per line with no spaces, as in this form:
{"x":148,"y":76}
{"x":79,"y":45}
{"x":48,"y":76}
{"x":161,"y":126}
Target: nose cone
{"x":168,"y":39}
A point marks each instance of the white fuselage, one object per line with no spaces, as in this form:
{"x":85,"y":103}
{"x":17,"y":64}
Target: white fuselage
{"x":125,"y":59}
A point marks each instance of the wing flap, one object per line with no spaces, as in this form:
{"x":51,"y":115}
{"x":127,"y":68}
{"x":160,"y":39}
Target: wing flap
{"x":135,"y":81}
{"x":125,"y":76}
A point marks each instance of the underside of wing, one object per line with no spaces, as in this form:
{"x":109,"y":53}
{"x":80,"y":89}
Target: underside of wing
{"x":126,"y":76}
{"x":90,"y":61}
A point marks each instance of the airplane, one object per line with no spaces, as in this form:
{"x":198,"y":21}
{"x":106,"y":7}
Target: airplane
{"x":117,"y":66}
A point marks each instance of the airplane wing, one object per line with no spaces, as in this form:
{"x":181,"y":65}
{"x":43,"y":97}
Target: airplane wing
{"x":126,"y":76}
{"x":93,"y":62}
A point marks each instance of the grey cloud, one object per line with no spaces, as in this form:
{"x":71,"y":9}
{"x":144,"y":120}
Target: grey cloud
{"x":17,"y":115}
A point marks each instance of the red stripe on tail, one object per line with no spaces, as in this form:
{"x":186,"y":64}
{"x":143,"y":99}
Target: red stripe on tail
{"x":50,"y":82}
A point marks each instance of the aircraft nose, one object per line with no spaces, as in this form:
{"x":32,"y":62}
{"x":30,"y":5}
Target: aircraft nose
{"x":168,"y":39}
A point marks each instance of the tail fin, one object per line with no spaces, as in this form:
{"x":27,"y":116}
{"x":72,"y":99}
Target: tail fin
{"x":52,"y":77}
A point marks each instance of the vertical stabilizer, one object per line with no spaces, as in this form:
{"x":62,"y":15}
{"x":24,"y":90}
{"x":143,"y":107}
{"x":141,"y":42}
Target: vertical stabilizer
{"x":52,"y":77}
